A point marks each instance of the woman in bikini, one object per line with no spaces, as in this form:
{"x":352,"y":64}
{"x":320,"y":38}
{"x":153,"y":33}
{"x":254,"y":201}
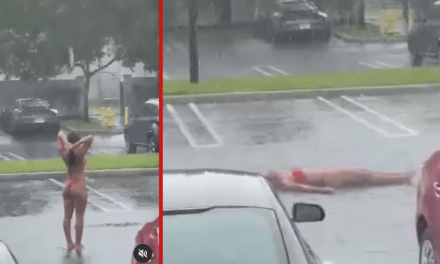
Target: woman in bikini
{"x":73,"y":150}
{"x":325,"y":181}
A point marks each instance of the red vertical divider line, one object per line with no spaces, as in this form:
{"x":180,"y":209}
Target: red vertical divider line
{"x":160,"y":76}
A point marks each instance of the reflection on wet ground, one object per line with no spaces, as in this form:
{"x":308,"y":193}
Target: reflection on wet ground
{"x":44,"y":197}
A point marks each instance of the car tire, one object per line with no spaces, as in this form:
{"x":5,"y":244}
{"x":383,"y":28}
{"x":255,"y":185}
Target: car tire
{"x":416,"y":59}
{"x":152,"y":146}
{"x":426,"y":248}
{"x":130,"y":148}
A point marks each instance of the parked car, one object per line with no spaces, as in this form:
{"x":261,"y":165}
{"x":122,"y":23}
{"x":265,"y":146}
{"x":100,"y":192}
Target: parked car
{"x":143,"y":131}
{"x":428,"y":210}
{"x":424,"y":37}
{"x":218,"y":216}
{"x":30,"y":115}
{"x":294,"y":18}
{"x":149,"y":235}
{"x":6,"y":256}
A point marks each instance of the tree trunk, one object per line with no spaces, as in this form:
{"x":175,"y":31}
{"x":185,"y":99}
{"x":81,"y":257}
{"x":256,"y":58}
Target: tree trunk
{"x":193,"y":56}
{"x":86,"y":98}
{"x":361,"y":14}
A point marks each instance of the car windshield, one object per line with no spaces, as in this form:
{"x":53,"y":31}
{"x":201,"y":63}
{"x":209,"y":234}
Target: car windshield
{"x":223,"y":236}
{"x":291,"y":6}
{"x":150,"y":109}
{"x":33,"y":103}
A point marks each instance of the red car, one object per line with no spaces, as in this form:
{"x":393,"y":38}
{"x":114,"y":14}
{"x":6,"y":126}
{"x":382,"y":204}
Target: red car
{"x":149,"y":235}
{"x":428,"y":211}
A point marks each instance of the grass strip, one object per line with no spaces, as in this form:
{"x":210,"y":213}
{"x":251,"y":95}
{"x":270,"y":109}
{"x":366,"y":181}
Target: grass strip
{"x":105,"y":162}
{"x":425,"y":75}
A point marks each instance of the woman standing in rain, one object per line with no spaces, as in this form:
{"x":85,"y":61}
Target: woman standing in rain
{"x":325,"y":181}
{"x":73,"y":150}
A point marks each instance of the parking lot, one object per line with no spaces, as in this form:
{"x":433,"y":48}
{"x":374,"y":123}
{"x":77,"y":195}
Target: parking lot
{"x":38,"y":147}
{"x":237,"y":53}
{"x":117,"y":208}
{"x":388,"y":133}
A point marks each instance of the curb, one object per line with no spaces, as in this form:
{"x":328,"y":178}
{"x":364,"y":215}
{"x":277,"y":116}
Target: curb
{"x":95,"y":132}
{"x":236,"y":97}
{"x":61,"y":175}
{"x":350,"y":39}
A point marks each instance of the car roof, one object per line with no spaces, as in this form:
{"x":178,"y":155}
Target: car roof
{"x":5,"y":254}
{"x":154,"y":101}
{"x":215,"y":188}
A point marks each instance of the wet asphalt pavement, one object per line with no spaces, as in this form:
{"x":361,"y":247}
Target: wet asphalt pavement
{"x":43,"y":147}
{"x":236,"y":53}
{"x":31,"y":215}
{"x":385,"y":133}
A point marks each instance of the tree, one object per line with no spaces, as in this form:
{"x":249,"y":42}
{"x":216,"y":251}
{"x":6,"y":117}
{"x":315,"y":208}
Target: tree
{"x":35,"y":41}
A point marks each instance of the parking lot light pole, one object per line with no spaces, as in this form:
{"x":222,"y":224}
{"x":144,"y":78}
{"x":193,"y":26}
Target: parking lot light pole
{"x":193,"y":53}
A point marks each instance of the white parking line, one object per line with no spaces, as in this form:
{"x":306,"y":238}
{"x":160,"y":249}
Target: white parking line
{"x":165,"y":76}
{"x":88,"y":201}
{"x":181,"y":126}
{"x":387,"y":65}
{"x":207,"y":124}
{"x":354,"y":117}
{"x":370,"y":65}
{"x":410,"y":131}
{"x":109,"y":198}
{"x":4,"y":157}
{"x":277,"y":70}
{"x":258,"y":69}
{"x":16,"y":156}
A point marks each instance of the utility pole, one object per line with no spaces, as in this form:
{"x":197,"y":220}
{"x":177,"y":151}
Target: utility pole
{"x":405,"y":8}
{"x":193,"y":53}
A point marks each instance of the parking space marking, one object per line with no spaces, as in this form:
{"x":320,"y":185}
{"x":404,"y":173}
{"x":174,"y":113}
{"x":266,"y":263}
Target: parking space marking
{"x":102,"y":195}
{"x":207,"y":124}
{"x":356,"y":118}
{"x":277,"y":70}
{"x":370,"y":65}
{"x":258,"y":69}
{"x":386,"y":65}
{"x":268,"y":70}
{"x":181,"y":125}
{"x":410,"y":131}
{"x":16,"y":156}
{"x":10,"y":156}
{"x":88,"y":201}
{"x":166,"y":76}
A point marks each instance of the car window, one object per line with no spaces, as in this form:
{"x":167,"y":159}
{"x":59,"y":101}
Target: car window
{"x":223,"y":236}
{"x":150,"y":110}
{"x":289,"y":6}
{"x":34,"y":103}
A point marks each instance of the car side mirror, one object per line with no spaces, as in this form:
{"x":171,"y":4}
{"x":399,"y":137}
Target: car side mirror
{"x":302,"y":212}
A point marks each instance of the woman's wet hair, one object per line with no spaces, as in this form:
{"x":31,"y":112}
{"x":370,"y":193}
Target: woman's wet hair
{"x":72,"y":138}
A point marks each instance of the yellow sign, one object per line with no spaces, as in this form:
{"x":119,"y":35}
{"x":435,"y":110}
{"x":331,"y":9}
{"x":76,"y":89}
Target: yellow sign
{"x":107,"y":117}
{"x":388,"y":21}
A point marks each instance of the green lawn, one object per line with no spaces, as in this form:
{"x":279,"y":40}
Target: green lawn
{"x":425,"y":75}
{"x":94,"y":163}
{"x":80,"y":125}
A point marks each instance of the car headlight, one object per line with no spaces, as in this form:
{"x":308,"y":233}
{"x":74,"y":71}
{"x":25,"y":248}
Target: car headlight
{"x":54,"y":110}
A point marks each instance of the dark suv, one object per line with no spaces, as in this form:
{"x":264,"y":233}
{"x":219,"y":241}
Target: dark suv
{"x":143,"y":130}
{"x":424,"y":38}
{"x":289,"y":18}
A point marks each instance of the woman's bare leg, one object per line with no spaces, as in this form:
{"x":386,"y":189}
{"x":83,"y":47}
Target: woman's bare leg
{"x":68,"y":211}
{"x":80,"y":204}
{"x":380,"y":178}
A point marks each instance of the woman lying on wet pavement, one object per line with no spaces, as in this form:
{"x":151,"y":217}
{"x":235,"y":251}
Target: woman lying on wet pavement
{"x":326,"y":181}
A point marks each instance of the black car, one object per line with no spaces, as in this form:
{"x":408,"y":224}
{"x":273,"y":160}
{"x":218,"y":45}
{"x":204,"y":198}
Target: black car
{"x":6,"y":256}
{"x":218,"y":216}
{"x":143,"y":130}
{"x":30,"y":115}
{"x":424,"y":37}
{"x":294,"y":18}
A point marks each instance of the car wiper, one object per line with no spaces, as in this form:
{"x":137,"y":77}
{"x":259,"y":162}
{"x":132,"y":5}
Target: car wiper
{"x":206,"y":209}
{"x":187,"y":211}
